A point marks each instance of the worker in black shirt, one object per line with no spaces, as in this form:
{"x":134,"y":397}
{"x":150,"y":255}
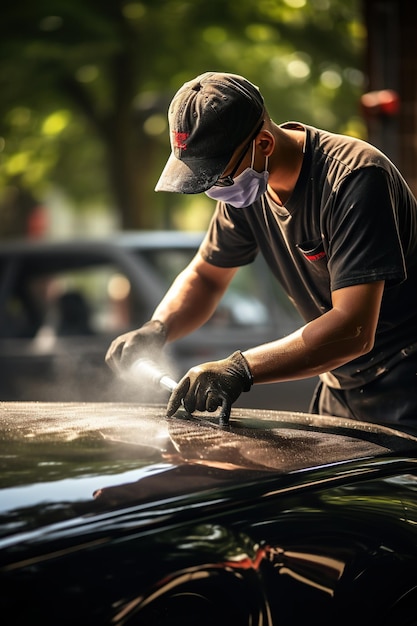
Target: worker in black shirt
{"x":337,"y":225}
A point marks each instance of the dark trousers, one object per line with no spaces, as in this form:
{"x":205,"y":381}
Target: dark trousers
{"x":390,"y":399}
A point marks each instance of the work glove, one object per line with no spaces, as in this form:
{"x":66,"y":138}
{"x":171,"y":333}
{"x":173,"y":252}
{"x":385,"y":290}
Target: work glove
{"x":145,"y":342}
{"x":211,"y":385}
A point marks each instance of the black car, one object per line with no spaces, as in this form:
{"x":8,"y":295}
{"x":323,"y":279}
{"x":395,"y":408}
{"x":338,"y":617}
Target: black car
{"x":111,"y":514}
{"x":62,"y":303}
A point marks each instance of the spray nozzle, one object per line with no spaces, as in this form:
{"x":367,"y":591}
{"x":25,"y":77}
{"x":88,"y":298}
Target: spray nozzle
{"x":149,"y":372}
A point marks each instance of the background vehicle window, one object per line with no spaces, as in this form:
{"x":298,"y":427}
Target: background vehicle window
{"x":79,"y":302}
{"x":245,"y":302}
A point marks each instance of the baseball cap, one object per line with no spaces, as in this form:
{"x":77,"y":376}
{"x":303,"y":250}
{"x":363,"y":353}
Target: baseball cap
{"x":209,"y":117}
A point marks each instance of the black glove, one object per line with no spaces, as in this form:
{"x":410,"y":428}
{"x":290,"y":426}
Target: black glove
{"x":211,"y":385}
{"x":145,"y":342}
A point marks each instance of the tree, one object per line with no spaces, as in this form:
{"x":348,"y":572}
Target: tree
{"x":86,"y":84}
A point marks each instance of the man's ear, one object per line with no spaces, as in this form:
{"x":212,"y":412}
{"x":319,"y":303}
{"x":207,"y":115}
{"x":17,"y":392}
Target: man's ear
{"x":266,"y":142}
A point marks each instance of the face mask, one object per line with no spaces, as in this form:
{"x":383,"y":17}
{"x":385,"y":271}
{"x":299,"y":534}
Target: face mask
{"x":247,"y":188}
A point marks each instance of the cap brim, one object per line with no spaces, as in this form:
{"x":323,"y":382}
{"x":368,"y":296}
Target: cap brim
{"x":180,"y":177}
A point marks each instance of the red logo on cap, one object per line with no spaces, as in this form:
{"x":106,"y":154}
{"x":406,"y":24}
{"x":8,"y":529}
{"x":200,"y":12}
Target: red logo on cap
{"x":180,"y":139}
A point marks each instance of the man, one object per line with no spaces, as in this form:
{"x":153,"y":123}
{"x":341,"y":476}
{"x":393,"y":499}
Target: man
{"x":337,"y":225}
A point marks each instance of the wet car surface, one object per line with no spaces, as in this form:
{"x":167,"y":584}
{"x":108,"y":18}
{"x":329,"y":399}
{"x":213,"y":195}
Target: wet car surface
{"x":112,"y":514}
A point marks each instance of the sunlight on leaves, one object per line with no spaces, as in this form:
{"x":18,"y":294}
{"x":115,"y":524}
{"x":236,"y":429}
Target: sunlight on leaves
{"x":55,"y":123}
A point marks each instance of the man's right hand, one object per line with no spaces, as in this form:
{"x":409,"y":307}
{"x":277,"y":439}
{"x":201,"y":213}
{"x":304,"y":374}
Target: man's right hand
{"x":145,"y":342}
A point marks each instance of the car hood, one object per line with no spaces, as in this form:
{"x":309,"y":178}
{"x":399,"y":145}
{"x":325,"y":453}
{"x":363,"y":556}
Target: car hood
{"x":61,"y":461}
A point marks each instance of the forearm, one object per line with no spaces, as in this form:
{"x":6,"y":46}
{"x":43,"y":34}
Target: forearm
{"x":192,"y":299}
{"x":317,"y":347}
{"x":185,"y":307}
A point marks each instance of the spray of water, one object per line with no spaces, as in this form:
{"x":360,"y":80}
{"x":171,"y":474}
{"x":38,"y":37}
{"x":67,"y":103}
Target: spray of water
{"x":150,"y":373}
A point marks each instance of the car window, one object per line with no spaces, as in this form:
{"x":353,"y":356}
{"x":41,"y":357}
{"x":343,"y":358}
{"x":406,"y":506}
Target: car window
{"x":247,"y":301}
{"x":83,"y":301}
{"x":97,"y":297}
{"x":168,"y":262}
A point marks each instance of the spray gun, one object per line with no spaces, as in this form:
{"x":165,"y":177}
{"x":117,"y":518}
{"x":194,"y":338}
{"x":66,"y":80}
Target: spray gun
{"x":149,"y":372}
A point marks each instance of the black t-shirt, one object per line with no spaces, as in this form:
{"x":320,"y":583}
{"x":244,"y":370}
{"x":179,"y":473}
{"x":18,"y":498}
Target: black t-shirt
{"x":351,"y":219}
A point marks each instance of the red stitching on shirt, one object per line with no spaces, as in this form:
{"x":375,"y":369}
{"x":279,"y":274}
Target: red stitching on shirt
{"x":315,"y":257}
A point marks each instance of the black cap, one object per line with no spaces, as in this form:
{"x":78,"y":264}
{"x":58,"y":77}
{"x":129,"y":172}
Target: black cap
{"x":209,"y":117}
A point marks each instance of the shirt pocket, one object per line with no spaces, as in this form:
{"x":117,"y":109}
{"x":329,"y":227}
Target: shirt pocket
{"x":315,"y":263}
{"x":313,"y":251}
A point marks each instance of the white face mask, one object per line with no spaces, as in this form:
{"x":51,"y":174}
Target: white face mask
{"x":248,"y":187}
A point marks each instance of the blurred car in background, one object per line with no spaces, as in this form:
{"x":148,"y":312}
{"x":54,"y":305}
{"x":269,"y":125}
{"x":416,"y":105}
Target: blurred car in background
{"x":113,"y":515}
{"x":62,"y":303}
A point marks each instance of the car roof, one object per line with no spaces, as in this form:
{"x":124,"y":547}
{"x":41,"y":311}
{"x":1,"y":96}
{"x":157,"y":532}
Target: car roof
{"x":68,"y":254}
{"x":71,"y":254}
{"x":128,"y":240}
{"x":285,"y":441}
{"x":146,"y":425}
{"x":158,"y":238}
{"x":62,"y":462}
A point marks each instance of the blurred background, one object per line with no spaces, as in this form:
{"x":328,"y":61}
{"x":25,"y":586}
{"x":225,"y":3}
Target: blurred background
{"x":87,"y":248}
{"x":85,"y":86}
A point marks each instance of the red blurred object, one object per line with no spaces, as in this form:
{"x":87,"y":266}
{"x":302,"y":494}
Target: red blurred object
{"x":384,"y":102}
{"x":37,"y":222}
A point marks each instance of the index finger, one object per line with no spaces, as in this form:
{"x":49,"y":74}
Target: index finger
{"x":225,"y":410}
{"x":177,"y":396}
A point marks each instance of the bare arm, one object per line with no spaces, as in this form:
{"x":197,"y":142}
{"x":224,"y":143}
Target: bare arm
{"x":345,"y":332}
{"x":193,"y":297}
{"x":340,"y":335}
{"x":189,"y":302}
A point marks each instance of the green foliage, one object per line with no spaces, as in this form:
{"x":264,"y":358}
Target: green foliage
{"x":85,"y":84}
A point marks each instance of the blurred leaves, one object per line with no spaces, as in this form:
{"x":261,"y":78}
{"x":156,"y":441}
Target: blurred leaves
{"x":85,"y":84}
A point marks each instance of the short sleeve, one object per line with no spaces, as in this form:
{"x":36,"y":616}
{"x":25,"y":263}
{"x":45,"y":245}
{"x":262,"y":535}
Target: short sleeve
{"x":229,"y":241}
{"x":362,"y":233}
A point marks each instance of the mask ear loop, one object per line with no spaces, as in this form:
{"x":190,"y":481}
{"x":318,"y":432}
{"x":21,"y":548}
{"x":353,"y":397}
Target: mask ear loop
{"x":253,"y":158}
{"x":253,"y":155}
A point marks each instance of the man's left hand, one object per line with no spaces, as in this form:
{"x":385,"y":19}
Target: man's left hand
{"x":211,"y":385}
